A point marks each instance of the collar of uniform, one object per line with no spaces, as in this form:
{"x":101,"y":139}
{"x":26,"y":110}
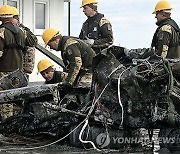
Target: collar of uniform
{"x":162,"y":21}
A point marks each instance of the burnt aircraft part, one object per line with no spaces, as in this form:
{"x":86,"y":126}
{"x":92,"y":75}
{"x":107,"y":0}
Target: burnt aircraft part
{"x":27,"y":93}
{"x":170,"y":138}
{"x":127,"y":92}
{"x":15,"y":79}
{"x":106,"y":66}
{"x":119,"y":53}
{"x":44,"y":114}
{"x":107,"y":70}
{"x":50,"y":55}
{"x":28,"y":125}
{"x":104,"y":138}
{"x":144,"y":84}
{"x":96,"y":134}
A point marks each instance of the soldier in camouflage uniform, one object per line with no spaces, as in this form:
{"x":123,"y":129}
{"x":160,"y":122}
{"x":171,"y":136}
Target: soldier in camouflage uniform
{"x":96,"y":30}
{"x":29,"y":54}
{"x":166,"y":39}
{"x":12,"y":44}
{"x":45,"y":67}
{"x":77,"y":57}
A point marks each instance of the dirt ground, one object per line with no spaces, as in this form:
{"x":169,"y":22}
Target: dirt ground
{"x":65,"y":149}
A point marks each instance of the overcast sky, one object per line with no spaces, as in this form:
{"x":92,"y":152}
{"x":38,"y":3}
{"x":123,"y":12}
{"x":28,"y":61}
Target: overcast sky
{"x":132,"y":20}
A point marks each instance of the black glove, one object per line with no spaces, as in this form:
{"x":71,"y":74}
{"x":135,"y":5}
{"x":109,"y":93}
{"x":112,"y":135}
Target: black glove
{"x":65,"y":84}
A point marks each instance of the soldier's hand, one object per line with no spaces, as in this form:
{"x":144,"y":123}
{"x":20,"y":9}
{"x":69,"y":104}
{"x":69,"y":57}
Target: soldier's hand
{"x":65,"y":84}
{"x":126,"y":51}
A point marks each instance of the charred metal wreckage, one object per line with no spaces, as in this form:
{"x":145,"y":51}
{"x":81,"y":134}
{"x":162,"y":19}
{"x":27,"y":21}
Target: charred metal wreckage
{"x":131,"y":89}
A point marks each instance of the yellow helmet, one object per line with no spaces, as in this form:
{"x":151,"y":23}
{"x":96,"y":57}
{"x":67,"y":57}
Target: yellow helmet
{"x":48,"y":34}
{"x":162,"y":5}
{"x":15,"y":11}
{"x":43,"y":65}
{"x":85,"y":2}
{"x":6,"y":11}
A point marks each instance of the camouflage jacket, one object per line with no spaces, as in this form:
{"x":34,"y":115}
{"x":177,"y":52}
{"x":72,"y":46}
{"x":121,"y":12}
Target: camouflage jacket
{"x":98,"y":28}
{"x":13,"y":41}
{"x":166,"y":39}
{"x":77,"y":57}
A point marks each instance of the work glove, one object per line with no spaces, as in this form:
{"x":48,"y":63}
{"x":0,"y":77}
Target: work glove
{"x":126,"y":51}
{"x":65,"y":84}
{"x":89,"y":41}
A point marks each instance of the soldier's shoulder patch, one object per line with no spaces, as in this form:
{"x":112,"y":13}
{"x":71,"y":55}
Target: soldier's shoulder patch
{"x":167,"y":28}
{"x":69,"y":52}
{"x":2,"y":32}
{"x":1,"y":53}
{"x":103,"y":21}
{"x":69,"y":42}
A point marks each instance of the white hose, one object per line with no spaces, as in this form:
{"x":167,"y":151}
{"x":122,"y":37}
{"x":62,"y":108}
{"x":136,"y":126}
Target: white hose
{"x":119,"y":98}
{"x":86,"y":120}
{"x":80,"y":136}
{"x":119,"y":95}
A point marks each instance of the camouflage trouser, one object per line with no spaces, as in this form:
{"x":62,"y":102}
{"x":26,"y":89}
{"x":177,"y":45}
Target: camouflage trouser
{"x":6,"y":110}
{"x":84,"y":80}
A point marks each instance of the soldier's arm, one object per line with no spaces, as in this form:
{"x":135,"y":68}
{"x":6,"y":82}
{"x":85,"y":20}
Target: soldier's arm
{"x":1,"y":47}
{"x":31,"y":39}
{"x":63,"y":76}
{"x":106,"y":34}
{"x":164,"y":38}
{"x":74,"y":57}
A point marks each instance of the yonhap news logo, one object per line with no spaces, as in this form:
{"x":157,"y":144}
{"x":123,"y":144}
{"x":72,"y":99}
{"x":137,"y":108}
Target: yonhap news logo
{"x":142,"y":140}
{"x":104,"y":139}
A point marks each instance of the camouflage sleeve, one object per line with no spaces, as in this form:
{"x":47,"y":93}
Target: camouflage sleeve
{"x":64,"y":76}
{"x":29,"y":60}
{"x":1,"y":47}
{"x":164,"y":38}
{"x":106,"y":34}
{"x":74,"y":57}
{"x":1,"y":41}
{"x":31,"y":39}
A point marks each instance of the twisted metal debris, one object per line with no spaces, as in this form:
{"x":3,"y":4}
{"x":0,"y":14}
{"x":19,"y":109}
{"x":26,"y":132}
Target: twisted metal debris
{"x":131,"y":89}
